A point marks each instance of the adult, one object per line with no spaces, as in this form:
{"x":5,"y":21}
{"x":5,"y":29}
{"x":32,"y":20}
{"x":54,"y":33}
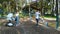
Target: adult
{"x":10,"y":16}
{"x":17,"y":18}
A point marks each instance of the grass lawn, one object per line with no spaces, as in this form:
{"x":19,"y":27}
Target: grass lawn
{"x":1,"y":24}
{"x":53,"y":25}
{"x":50,"y":17}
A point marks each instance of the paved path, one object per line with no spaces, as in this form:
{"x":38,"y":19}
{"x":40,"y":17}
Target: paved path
{"x":28,"y":27}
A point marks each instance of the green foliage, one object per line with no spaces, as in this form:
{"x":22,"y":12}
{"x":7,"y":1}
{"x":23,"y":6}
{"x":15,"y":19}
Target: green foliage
{"x":20,"y":15}
{"x":0,"y":5}
{"x":48,"y":1}
{"x":25,"y":11}
{"x":1,"y":1}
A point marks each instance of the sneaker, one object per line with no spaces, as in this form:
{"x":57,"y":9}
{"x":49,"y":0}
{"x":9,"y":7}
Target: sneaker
{"x":17,"y":24}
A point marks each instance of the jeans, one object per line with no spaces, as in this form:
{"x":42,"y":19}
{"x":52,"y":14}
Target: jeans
{"x":17,"y":20}
{"x":37,"y":20}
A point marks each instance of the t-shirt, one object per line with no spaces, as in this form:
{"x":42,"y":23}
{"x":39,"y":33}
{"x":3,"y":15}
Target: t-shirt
{"x":17,"y":14}
{"x":37,"y":15}
{"x":9,"y":16}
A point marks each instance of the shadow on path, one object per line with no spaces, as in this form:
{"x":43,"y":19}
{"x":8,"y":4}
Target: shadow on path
{"x":28,"y":27}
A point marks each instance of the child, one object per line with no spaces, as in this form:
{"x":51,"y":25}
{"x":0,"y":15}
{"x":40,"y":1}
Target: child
{"x":10,"y":17}
{"x":37,"y":16}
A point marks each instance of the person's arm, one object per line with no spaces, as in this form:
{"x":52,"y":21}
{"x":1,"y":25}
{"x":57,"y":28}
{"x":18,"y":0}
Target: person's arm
{"x":39,"y":14}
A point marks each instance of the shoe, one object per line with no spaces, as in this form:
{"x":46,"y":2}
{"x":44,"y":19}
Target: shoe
{"x":17,"y":24}
{"x":36,"y":24}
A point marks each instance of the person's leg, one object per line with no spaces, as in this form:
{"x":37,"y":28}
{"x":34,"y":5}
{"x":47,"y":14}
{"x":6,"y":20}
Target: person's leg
{"x":17,"y":21}
{"x":37,"y":21}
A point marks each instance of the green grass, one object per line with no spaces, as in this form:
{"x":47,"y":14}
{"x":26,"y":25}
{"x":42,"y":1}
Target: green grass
{"x":48,"y":16}
{"x":0,"y":24}
{"x":52,"y":25}
{"x":22,"y":15}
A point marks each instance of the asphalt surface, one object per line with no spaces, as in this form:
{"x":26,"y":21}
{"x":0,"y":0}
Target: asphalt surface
{"x":27,"y":27}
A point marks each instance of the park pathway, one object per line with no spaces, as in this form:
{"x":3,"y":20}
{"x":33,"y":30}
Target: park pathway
{"x":28,"y":27}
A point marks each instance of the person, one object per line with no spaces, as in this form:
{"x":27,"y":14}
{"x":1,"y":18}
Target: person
{"x":37,"y":15}
{"x":10,"y":19}
{"x":10,"y":16}
{"x":17,"y":18}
